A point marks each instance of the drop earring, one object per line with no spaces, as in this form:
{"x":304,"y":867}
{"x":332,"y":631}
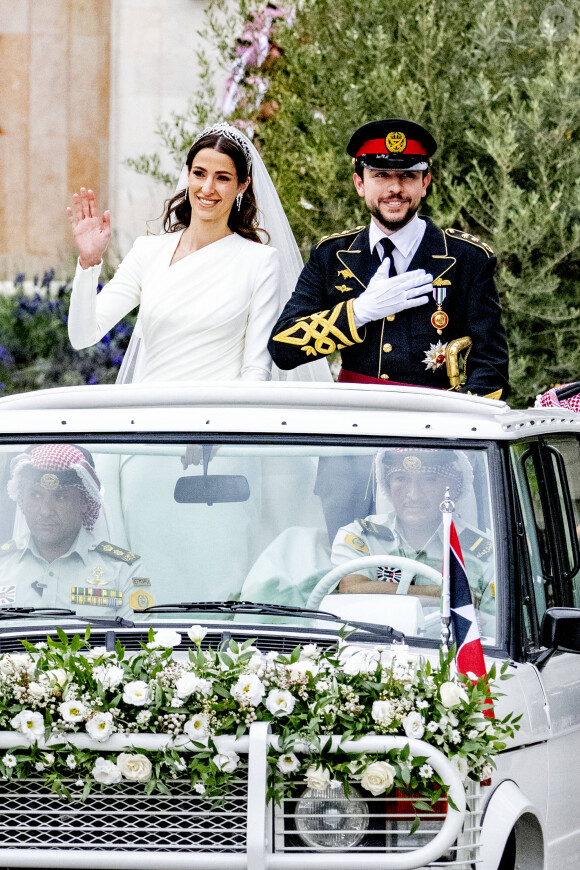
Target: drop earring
{"x":186,"y":195}
{"x":239,"y":198}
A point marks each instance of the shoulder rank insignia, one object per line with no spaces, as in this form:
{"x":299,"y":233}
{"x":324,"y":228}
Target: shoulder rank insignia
{"x":356,"y":543}
{"x":339,"y":235}
{"x":378,"y":531}
{"x":478,"y":545}
{"x":8,"y":547}
{"x":467,"y":237}
{"x":116,"y":552}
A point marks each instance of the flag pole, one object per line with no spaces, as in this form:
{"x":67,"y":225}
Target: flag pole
{"x":446,"y":507}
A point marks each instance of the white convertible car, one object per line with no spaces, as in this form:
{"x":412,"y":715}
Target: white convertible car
{"x":277,"y":512}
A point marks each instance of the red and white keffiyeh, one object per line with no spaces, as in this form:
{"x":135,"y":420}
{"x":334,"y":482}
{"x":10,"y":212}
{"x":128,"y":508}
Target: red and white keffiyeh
{"x":559,"y":397}
{"x":57,"y":458}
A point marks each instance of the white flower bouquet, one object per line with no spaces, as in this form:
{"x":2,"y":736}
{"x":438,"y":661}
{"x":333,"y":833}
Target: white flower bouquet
{"x":62,"y":690}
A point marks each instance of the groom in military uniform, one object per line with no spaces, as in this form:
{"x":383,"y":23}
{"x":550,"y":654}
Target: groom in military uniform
{"x":392,"y":296}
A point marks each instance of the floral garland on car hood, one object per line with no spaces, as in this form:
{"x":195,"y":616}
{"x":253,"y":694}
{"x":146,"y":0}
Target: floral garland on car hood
{"x":63,"y":690}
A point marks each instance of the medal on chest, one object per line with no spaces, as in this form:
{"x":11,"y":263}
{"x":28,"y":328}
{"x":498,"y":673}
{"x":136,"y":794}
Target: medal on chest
{"x":435,"y":356}
{"x":439,"y":318}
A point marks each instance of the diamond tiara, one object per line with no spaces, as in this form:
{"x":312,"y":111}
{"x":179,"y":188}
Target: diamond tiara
{"x":225,"y":129}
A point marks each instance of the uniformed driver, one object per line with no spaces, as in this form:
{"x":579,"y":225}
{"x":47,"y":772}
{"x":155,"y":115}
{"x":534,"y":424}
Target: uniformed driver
{"x":414,"y":481}
{"x":59,"y":561}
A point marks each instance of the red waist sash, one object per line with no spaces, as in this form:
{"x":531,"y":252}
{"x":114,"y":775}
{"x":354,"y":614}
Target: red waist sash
{"x":346,"y":377}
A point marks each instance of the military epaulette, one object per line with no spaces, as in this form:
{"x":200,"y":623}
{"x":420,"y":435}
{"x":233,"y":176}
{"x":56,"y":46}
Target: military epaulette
{"x":378,"y":531}
{"x":467,"y":237}
{"x":8,"y":547}
{"x":478,"y":545}
{"x":339,"y":235}
{"x":116,"y":552}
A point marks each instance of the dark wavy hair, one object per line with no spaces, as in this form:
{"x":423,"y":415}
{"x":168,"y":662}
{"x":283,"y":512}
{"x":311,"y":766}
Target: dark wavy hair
{"x":244,"y":222}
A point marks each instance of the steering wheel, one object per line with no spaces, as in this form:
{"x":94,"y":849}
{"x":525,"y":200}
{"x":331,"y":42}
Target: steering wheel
{"x":409,"y":568}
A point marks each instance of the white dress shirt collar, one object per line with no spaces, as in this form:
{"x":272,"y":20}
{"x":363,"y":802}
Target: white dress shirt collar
{"x":406,"y":240}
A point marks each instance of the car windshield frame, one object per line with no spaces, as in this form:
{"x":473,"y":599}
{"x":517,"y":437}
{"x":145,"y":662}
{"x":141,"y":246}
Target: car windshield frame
{"x":498,"y":504}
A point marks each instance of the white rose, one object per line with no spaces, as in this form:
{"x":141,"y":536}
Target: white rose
{"x":100,"y":726}
{"x":288,"y":763}
{"x":137,"y":693}
{"x":362,"y":662}
{"x":106,"y":772}
{"x":280,"y":702}
{"x":382,"y":711}
{"x":29,"y":723}
{"x":99,"y":652}
{"x":248,"y":690}
{"x":451,"y":694}
{"x":310,"y":651}
{"x":165,"y":638}
{"x":299,"y":669}
{"x":73,"y":711}
{"x":186,"y":685}
{"x":137,"y":767}
{"x":317,"y":777}
{"x":197,"y":727}
{"x":49,"y":758}
{"x":110,"y":676}
{"x":257,"y":664}
{"x":54,"y":677}
{"x":36,"y":691}
{"x":378,"y":777}
{"x":460,"y":765}
{"x":226,"y":761}
{"x":413,"y":725}
{"x":196,"y":633}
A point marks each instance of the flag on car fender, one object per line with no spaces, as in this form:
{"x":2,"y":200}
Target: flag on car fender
{"x":469,"y":656}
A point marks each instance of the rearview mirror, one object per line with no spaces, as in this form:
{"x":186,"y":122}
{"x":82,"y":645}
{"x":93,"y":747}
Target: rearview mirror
{"x":212,"y":489}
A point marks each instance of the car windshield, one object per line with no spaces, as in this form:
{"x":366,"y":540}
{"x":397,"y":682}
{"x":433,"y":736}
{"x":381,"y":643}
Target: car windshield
{"x":108,"y":529}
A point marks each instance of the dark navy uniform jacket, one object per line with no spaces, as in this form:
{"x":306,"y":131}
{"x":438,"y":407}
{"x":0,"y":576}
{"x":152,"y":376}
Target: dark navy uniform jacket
{"x":318,"y":318}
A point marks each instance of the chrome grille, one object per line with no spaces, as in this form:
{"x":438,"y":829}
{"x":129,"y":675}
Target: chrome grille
{"x":389,"y":824}
{"x":282,"y":642}
{"x":121,"y":820}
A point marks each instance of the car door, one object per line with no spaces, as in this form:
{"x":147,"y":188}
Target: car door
{"x":547,"y":474}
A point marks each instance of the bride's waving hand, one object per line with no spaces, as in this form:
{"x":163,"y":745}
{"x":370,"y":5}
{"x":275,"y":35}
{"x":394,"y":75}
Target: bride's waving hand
{"x":91,"y":233}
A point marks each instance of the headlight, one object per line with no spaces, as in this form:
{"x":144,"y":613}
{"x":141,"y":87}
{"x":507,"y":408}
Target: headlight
{"x":329,"y":821}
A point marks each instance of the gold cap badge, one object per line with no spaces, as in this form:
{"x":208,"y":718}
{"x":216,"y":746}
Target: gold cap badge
{"x":396,"y":142}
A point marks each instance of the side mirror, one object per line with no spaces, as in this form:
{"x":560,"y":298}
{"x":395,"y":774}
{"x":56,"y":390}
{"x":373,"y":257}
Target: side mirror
{"x":561,"y":629}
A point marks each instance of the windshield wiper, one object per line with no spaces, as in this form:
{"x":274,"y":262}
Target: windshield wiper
{"x":23,"y":612}
{"x":272,"y":610}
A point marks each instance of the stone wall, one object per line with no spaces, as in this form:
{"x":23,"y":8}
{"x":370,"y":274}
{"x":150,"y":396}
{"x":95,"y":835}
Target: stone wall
{"x":83,"y":84}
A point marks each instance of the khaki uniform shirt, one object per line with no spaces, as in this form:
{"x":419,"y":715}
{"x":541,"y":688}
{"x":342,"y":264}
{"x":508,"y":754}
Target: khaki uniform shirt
{"x":379,"y":534}
{"x":93,"y":579}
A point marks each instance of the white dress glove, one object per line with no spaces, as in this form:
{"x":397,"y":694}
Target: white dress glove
{"x":385,"y":296}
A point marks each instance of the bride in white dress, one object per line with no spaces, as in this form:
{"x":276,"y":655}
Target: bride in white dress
{"x":208,"y":291}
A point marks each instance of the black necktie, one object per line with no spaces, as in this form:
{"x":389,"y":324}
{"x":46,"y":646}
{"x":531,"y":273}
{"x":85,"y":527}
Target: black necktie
{"x":388,"y":247}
